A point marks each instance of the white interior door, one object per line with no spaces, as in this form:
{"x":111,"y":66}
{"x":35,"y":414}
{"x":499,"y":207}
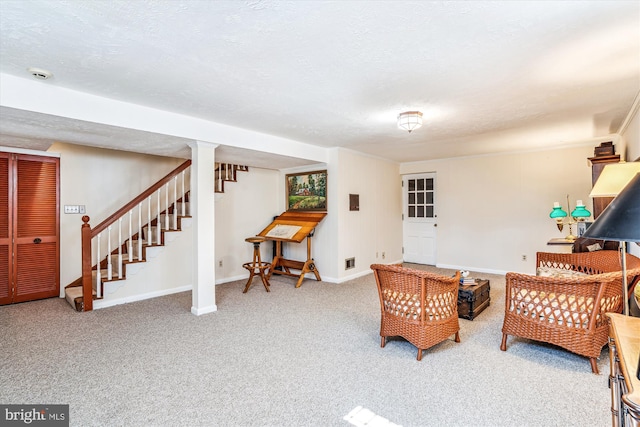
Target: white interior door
{"x":419,"y":212}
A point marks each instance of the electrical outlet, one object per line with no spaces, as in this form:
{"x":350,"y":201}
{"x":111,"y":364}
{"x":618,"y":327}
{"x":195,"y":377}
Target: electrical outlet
{"x":220,"y":263}
{"x":524,"y":257}
{"x":383,"y":255}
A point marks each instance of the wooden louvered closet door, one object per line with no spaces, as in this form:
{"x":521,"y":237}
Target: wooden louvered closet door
{"x":33,"y":228}
{"x":5,"y":236}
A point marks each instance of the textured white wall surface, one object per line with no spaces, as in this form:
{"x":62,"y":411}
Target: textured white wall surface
{"x":494,"y":209}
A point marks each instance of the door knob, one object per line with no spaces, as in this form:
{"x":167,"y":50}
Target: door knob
{"x":37,"y":240}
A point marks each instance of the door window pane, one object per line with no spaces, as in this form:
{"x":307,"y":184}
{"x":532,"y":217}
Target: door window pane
{"x":429,"y":184}
{"x":429,"y":212}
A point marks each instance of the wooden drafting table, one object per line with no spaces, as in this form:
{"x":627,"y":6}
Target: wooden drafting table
{"x":293,"y":227}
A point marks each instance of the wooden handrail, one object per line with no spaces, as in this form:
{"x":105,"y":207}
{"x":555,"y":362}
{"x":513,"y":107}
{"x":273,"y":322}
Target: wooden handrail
{"x":87,"y":288}
{"x":126,"y":208}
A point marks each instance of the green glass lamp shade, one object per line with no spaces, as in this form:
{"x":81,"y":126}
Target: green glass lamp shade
{"x":557,"y":212}
{"x":580,"y":212}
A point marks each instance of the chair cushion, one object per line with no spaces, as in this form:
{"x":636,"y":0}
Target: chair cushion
{"x":557,"y":272}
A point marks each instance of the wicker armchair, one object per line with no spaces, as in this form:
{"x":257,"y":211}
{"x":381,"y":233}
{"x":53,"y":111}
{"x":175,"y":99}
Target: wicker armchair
{"x":565,"y":310}
{"x":419,"y":306}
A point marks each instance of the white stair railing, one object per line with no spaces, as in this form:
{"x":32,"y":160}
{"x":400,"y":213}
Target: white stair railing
{"x":165,"y":197}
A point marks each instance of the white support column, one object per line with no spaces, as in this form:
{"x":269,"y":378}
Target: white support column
{"x":202,"y":209}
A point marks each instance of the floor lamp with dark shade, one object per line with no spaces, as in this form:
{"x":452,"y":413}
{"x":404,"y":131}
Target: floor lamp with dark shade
{"x":620,"y":221}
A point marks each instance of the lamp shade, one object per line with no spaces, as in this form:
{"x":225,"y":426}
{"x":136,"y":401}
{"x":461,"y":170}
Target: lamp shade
{"x":580,"y":211}
{"x":613,"y":178}
{"x":620,"y":220}
{"x":557,"y":211}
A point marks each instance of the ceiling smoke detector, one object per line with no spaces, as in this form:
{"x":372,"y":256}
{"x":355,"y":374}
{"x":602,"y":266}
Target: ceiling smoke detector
{"x":39,"y":73}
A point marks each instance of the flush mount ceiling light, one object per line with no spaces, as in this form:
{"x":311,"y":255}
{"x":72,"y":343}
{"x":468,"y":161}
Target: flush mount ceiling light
{"x":39,"y":73}
{"x":410,"y":120}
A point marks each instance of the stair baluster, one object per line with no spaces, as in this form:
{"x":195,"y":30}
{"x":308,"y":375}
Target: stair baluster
{"x":158,"y":222}
{"x":175,"y":202}
{"x":99,"y":270}
{"x":130,"y":241}
{"x":139,"y":232}
{"x":120,"y":248}
{"x":184,"y":202}
{"x":109,"y":267}
{"x":148,"y":236}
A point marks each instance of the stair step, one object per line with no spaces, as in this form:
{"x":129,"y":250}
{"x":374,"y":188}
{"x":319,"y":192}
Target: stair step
{"x":154,"y":233}
{"x":132,"y":247}
{"x":74,"y":297}
{"x":115,"y":266}
{"x":187,"y":212}
{"x":163,"y":222}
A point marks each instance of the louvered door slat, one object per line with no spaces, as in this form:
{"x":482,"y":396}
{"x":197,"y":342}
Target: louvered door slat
{"x":4,"y":197}
{"x":5,"y":295}
{"x":5,"y":240}
{"x":36,"y":271}
{"x":37,"y":196}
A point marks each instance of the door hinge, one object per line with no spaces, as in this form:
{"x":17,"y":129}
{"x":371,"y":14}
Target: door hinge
{"x":402,"y":183}
{"x":403,"y":217}
{"x":403,"y":250}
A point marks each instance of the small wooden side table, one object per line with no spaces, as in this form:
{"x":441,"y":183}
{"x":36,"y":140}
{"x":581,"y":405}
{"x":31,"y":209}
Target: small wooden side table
{"x":256,"y":266}
{"x":624,"y":352}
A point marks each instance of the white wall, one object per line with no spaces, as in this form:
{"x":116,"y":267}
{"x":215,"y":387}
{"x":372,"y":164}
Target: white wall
{"x":103,"y":181}
{"x":244,"y":210}
{"x":375,"y":228}
{"x":492,"y":210}
{"x":631,"y":135}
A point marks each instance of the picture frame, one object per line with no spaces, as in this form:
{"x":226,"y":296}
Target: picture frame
{"x":306,"y":191}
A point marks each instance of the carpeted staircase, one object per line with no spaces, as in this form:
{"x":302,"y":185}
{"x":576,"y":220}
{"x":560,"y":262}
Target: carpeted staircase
{"x":138,"y":226}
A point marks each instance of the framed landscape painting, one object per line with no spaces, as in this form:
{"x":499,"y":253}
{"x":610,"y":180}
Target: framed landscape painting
{"x":307,"y":191}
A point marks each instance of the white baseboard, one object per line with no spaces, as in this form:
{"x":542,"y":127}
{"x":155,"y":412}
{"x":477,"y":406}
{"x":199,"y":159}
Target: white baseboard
{"x":204,"y":310}
{"x":475,"y":269}
{"x":97,"y":304}
{"x":232,"y":278}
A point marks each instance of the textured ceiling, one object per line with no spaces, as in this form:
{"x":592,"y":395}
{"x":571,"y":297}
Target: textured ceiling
{"x":488,"y":76}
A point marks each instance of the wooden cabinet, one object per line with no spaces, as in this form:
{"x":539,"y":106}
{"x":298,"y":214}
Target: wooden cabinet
{"x":598,"y":162}
{"x":29,"y":227}
{"x":624,"y":355}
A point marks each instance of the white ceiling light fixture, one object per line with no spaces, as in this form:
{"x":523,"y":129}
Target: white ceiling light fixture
{"x":39,"y":73}
{"x":410,"y":120}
